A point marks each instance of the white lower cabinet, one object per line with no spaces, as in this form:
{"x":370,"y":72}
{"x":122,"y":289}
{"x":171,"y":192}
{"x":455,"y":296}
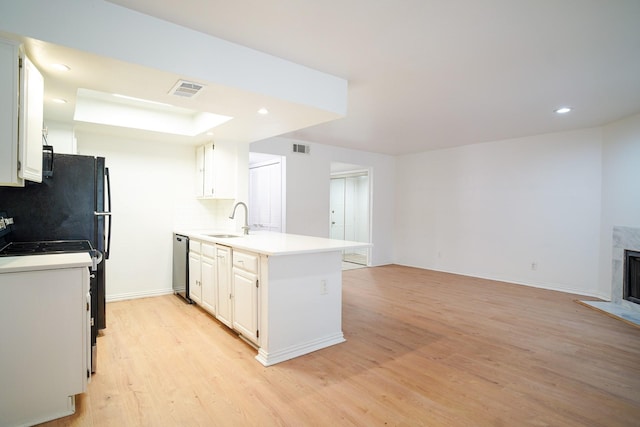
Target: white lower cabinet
{"x":225,"y":295}
{"x":195,"y":277}
{"x":245,"y":294}
{"x":224,"y":281}
{"x":208,"y":278}
{"x":45,"y":350}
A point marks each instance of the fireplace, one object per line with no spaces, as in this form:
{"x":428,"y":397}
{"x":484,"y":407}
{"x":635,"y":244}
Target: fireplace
{"x":631,"y":285}
{"x":626,"y":268}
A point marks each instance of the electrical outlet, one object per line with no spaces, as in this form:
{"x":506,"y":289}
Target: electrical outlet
{"x":323,"y":287}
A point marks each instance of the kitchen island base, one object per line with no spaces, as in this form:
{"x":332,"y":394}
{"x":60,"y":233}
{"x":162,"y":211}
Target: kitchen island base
{"x":284,"y":296}
{"x":301,"y":305}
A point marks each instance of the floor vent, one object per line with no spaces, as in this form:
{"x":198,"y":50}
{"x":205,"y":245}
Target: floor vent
{"x":186,"y":89}
{"x":301,"y":148}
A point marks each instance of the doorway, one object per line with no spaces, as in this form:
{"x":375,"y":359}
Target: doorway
{"x":349,"y":209}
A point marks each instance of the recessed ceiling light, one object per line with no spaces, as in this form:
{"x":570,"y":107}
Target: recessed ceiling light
{"x":60,"y":67}
{"x":59,"y":100}
{"x":562,"y":110}
{"x":263,"y":111}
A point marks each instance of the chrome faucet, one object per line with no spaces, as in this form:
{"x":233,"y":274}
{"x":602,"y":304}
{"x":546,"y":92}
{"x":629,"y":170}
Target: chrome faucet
{"x":245,"y":227}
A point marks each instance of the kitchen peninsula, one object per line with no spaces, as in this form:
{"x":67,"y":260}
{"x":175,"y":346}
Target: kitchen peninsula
{"x":280,"y":292}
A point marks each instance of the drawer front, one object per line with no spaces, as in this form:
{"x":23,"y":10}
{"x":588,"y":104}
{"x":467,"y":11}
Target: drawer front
{"x":246,"y":261}
{"x":208,"y":250}
{"x":195,"y":246}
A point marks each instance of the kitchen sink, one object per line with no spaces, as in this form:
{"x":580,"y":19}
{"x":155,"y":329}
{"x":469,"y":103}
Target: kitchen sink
{"x":223,"y":236}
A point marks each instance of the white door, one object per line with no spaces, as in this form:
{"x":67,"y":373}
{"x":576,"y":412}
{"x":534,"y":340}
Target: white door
{"x":266,"y":196}
{"x":336,"y":206}
{"x":349,"y":212}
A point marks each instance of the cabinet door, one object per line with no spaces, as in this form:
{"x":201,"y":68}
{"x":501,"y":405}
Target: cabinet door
{"x":8,"y":113}
{"x":209,"y":169}
{"x":216,"y":170}
{"x":223,"y":259}
{"x":45,"y":343}
{"x":245,"y":304}
{"x":199,"y":184}
{"x":30,"y":123}
{"x":208,"y":276}
{"x":225,"y":174}
{"x":195,"y":289}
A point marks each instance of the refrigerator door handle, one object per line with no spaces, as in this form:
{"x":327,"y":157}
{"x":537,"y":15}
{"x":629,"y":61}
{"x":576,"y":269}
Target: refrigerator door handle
{"x":108,"y":249}
{"x":107,"y":214}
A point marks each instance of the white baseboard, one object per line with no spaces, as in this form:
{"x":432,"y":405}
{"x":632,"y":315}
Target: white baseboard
{"x":135,"y":295}
{"x":271,"y":358}
{"x":540,"y":285}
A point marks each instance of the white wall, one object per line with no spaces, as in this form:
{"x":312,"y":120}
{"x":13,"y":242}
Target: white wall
{"x":307,"y":186}
{"x":491,"y":210}
{"x":62,"y":137}
{"x":487,"y":210}
{"x":620,"y":188}
{"x":152,"y":195}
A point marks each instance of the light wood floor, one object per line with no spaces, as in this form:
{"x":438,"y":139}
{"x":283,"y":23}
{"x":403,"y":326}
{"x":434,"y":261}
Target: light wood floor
{"x":423,"y":348}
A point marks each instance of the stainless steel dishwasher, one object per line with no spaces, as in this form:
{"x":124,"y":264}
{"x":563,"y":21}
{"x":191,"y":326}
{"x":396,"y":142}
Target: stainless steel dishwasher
{"x":181,"y":266}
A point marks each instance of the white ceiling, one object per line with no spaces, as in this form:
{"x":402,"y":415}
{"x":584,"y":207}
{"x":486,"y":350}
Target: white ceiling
{"x":428,"y":74}
{"x":104,"y":76}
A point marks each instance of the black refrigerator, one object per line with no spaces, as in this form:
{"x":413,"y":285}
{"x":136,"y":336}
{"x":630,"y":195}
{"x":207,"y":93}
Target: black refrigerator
{"x":72,"y":203}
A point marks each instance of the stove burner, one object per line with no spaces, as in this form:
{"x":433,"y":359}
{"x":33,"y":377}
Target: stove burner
{"x":46,"y":247}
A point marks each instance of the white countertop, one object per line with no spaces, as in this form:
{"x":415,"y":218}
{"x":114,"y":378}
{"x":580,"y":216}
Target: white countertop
{"x":274,"y":244}
{"x":13,"y":264}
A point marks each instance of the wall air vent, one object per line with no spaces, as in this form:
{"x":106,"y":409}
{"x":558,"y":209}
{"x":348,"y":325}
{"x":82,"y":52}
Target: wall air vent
{"x":186,"y":89}
{"x":301,"y":148}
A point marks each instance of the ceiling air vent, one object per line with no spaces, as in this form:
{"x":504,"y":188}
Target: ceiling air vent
{"x":186,"y":89}
{"x":301,"y":148}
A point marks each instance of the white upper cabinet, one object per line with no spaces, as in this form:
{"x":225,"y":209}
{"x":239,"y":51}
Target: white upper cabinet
{"x":216,"y":171}
{"x":30,"y":121}
{"x":21,"y":115}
